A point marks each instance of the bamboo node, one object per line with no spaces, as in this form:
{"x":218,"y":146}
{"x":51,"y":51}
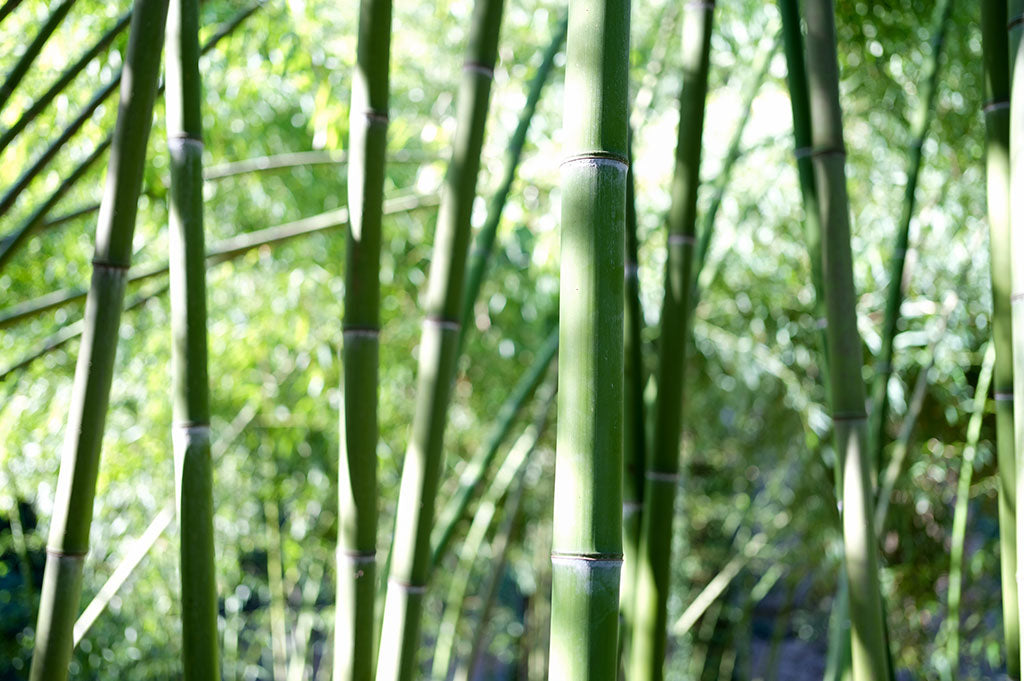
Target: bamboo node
{"x":828,"y":151}
{"x":681,"y":240}
{"x":374,"y":117}
{"x":1000,"y":105}
{"x":706,"y":5}
{"x":477,"y":67}
{"x":591,"y":560}
{"x":445,"y":324}
{"x":358,"y":557}
{"x":99,"y":264}
{"x":598,"y":158}
{"x":802,"y":152}
{"x":630,"y":270}
{"x":58,"y":553}
{"x":1004,"y":397}
{"x":1015,"y":22}
{"x":186,"y":140}
{"x":408,"y":588}
{"x":361,"y":332}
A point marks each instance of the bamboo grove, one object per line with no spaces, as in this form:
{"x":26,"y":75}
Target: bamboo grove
{"x":511,"y":339}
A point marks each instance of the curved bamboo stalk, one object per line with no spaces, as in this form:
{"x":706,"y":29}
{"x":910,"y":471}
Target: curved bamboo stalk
{"x":357,"y":468}
{"x":586,"y":548}
{"x":647,"y":657}
{"x":996,"y":62}
{"x":921,"y":120}
{"x":190,"y":385}
{"x":40,"y":104}
{"x":868,"y":638}
{"x":409,"y":570}
{"x":21,"y":67}
{"x":76,"y":487}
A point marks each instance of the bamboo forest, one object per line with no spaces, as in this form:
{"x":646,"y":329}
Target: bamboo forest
{"x":513,"y":340}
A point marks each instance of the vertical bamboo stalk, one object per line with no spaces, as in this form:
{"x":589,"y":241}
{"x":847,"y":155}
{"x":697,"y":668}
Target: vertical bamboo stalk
{"x":191,"y":390}
{"x":868,"y":639}
{"x":647,"y":657}
{"x":996,"y":62}
{"x":410,"y":560}
{"x":76,"y":487}
{"x":586,"y":551}
{"x":357,"y":469}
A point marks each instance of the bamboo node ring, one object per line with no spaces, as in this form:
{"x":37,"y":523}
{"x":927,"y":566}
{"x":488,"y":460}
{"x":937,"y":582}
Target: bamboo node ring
{"x":706,"y":5}
{"x":186,"y":140}
{"x":105,"y":265}
{"x":598,"y":158}
{"x":57,"y":553}
{"x":358,"y":557}
{"x":445,"y":324}
{"x":408,"y":588}
{"x":477,"y":67}
{"x":1000,"y":105}
{"x":375,"y":117}
{"x":1004,"y":397}
{"x":591,"y":560}
{"x":1015,"y":22}
{"x":361,"y":332}
{"x":681,"y":240}
{"x":828,"y":151}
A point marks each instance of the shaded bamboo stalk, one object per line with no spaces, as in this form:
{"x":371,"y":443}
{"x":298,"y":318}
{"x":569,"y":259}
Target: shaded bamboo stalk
{"x":867,"y":632}
{"x":8,"y":7}
{"x":963,"y":496}
{"x":1015,"y":25}
{"x":996,"y":62}
{"x":357,"y":467}
{"x":586,"y":548}
{"x":190,"y":382}
{"x":648,"y":643}
{"x":76,"y":486}
{"x":409,"y":570}
{"x":21,"y":67}
{"x":921,"y":119}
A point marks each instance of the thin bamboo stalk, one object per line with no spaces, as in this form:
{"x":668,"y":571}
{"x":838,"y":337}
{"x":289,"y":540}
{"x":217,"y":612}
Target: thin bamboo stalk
{"x":586,"y":549}
{"x":41,"y":102}
{"x":8,"y":7}
{"x":868,"y":639}
{"x":409,"y":570}
{"x":21,"y":67}
{"x":278,"y":597}
{"x":357,"y":468}
{"x":648,"y":652}
{"x":921,"y":120}
{"x":959,"y":532}
{"x":76,"y":487}
{"x":1015,"y":125}
{"x":190,"y":382}
{"x":996,"y":61}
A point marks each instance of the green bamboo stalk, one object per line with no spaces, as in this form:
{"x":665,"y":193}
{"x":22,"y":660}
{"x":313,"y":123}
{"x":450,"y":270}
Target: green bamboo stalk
{"x":222,"y":251}
{"x":963,"y":496}
{"x":484,"y":243}
{"x":586,"y":548}
{"x":1015,"y":125}
{"x":997,"y":156}
{"x":921,"y":119}
{"x":275,"y":583}
{"x":357,"y":470}
{"x":76,"y":487}
{"x":647,"y":657}
{"x":8,"y":7}
{"x":190,"y":385}
{"x":409,"y":570}
{"x":868,"y":639}
{"x":21,"y":67}
{"x":471,"y":480}
{"x":40,"y":104}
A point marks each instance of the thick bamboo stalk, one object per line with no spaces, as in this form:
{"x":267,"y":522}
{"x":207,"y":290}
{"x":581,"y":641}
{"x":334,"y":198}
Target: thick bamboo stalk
{"x":21,"y":67}
{"x":190,"y":382}
{"x":357,"y":467}
{"x":76,"y":487}
{"x":996,"y":61}
{"x":867,"y":633}
{"x":409,"y":570}
{"x":41,"y":102}
{"x":586,"y":548}
{"x":647,"y":657}
{"x":921,"y":119}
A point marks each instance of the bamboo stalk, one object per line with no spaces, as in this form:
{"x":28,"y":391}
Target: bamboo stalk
{"x":1015,"y":125}
{"x":868,"y":639}
{"x":409,"y":570}
{"x":647,"y":657}
{"x":357,"y":470}
{"x":921,"y":119}
{"x":41,"y":102}
{"x":586,"y":549}
{"x":997,"y":155}
{"x":76,"y":487}
{"x":21,"y":67}
{"x":8,"y":7}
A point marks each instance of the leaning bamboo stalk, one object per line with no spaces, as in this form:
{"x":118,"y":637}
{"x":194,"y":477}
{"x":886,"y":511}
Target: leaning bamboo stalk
{"x":921,"y":120}
{"x":21,"y":67}
{"x":409,"y":570}
{"x":868,"y":639}
{"x":997,"y":155}
{"x":41,"y":102}
{"x":190,"y":383}
{"x":586,"y":548}
{"x":8,"y":7}
{"x":647,"y":657}
{"x":222,"y":251}
{"x":76,"y":486}
{"x":357,"y":467}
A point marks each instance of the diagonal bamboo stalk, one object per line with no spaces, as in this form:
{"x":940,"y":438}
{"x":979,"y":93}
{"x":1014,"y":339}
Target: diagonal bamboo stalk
{"x":662,"y":474}
{"x":21,"y":67}
{"x":8,"y":7}
{"x":76,"y":486}
{"x":409,"y":570}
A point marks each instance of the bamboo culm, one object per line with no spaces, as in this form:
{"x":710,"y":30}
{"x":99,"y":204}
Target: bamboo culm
{"x":21,"y":67}
{"x":354,"y":634}
{"x":648,"y":643}
{"x":76,"y":487}
{"x":586,"y":548}
{"x":869,"y":648}
{"x":409,"y":568}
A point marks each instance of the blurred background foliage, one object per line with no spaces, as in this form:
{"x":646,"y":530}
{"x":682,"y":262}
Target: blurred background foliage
{"x":757,"y":457}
